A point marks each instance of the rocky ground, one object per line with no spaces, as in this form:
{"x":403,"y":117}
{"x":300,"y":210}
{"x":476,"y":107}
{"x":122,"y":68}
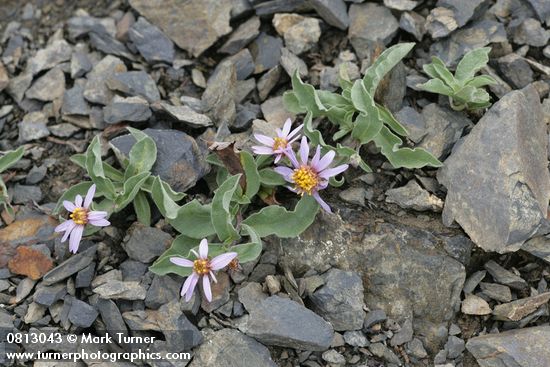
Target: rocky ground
{"x":426,"y":267}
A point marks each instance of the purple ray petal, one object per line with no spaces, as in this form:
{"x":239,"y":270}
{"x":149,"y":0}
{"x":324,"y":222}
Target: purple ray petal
{"x":68,"y":231}
{"x":206,"y":288}
{"x":286,"y":127}
{"x":331,"y":172}
{"x":321,"y":202}
{"x":76,"y":236}
{"x":180,"y":261}
{"x":64,"y":226}
{"x":78,"y":201}
{"x":316,"y":157}
{"x":264,"y":139}
{"x":89,"y":196}
{"x":325,"y":161}
{"x":294,"y":132}
{"x":304,"y":150}
{"x":99,"y":222}
{"x":189,"y":286}
{"x":69,"y":206}
{"x":203,"y":249}
{"x":96,"y":215}
{"x":278,"y":158}
{"x":262,"y":150}
{"x":213,"y":277}
{"x":292,"y":157}
{"x":221,"y":261}
{"x":285,"y":172}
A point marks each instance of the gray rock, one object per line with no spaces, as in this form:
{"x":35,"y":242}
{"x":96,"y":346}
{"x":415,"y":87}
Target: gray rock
{"x":111,"y":316}
{"x":538,"y":246}
{"x":370,"y":24}
{"x":179,"y":162}
{"x":401,"y":4}
{"x":440,"y":22}
{"x":151,"y":43}
{"x":501,"y":202}
{"x":244,"y":64}
{"x":413,"y":122}
{"x":266,"y":51}
{"x":450,"y":15}
{"x":412,"y":196}
{"x":542,"y":8}
{"x":184,"y":114}
{"x":333,"y":357}
{"x":219,"y":96}
{"x":475,"y":35}
{"x":116,"y":289}
{"x":381,"y":351}
{"x":474,"y":305}
{"x":48,"y":295}
{"x":36,"y":174}
{"x":82,"y":314}
{"x":502,"y":349}
{"x":74,"y":102}
{"x":245,"y":115}
{"x":85,"y":276}
{"x":162,"y":290}
{"x":179,"y":332}
{"x":530,"y":32}
{"x":63,"y":130}
{"x":81,"y":25}
{"x":34,"y":313}
{"x":228,"y":348}
{"x":443,"y":129}
{"x":54,"y":54}
{"x":251,"y":295}
{"x":220,"y":293}
{"x":413,"y":23}
{"x":131,"y":109}
{"x":96,"y":90}
{"x":282,"y":322}
{"x":373,"y":317}
{"x":340,"y":300}
{"x":497,"y":292}
{"x":454,"y":346}
{"x":473,"y":281}
{"x":133,"y":270}
{"x":18,"y":86}
{"x":144,"y":243}
{"x":403,"y":335}
{"x":411,"y":272}
{"x":4,"y":77}
{"x":291,"y":63}
{"x":268,"y":81}
{"x":80,"y":64}
{"x":515,"y":70}
{"x":416,"y":349}
{"x":193,"y":25}
{"x":22,"y":194}
{"x":33,"y":127}
{"x":48,"y":87}
{"x":303,"y":35}
{"x":242,"y":36}
{"x":334,"y":12}
{"x":135,"y":83}
{"x":518,"y":309}
{"x":109,"y":45}
{"x":356,"y":339}
{"x":354,"y":195}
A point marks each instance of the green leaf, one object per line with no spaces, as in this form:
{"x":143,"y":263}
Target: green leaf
{"x":137,"y":134}
{"x":481,"y":81}
{"x":222,"y":218}
{"x":70,"y":195}
{"x":194,"y":220}
{"x":268,"y":177}
{"x":251,"y":173}
{"x":277,"y":220}
{"x":143,"y":155}
{"x":94,"y":167}
{"x":436,"y":86}
{"x":383,"y":65}
{"x":471,"y":63}
{"x":444,"y":74}
{"x":142,"y":208}
{"x":292,"y":104}
{"x":368,"y":122}
{"x":389,"y":144}
{"x":248,"y":251}
{"x":10,"y":158}
{"x":130,"y":189}
{"x":110,"y":172}
{"x":167,"y":206}
{"x":388,"y":119}
{"x":307,"y":96}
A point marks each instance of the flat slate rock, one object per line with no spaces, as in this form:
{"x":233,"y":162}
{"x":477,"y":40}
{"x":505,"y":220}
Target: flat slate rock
{"x":283,"y":322}
{"x":135,"y":83}
{"x":497,"y":178}
{"x":70,"y":266}
{"x":194,"y":25}
{"x":520,"y":347}
{"x":151,"y":43}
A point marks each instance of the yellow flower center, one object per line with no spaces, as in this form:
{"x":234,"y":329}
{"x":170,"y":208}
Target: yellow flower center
{"x":201,"y":266}
{"x":279,"y":143}
{"x":305,"y":179}
{"x":80,"y":216}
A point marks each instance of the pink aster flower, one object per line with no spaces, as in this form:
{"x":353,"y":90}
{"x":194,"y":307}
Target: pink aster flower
{"x":279,"y":145}
{"x":309,"y":178}
{"x":202,"y":268}
{"x":80,"y":216}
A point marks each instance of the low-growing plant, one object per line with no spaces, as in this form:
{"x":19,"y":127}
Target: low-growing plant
{"x":463,"y":88}
{"x":355,"y":112}
{"x":119,"y":188}
{"x":6,"y":161}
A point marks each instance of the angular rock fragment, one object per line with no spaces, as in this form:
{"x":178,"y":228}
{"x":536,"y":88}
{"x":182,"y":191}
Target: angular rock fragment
{"x":33,"y":127}
{"x":151,"y":43}
{"x":96,"y":90}
{"x":48,"y":87}
{"x":135,"y":83}
{"x":518,"y":309}
{"x":412,"y":196}
{"x":266,"y":51}
{"x":219,"y":96}
{"x":334,"y":12}
{"x":474,"y":305}
{"x":184,"y":114}
{"x":242,"y":36}
{"x":54,"y":54}
{"x":131,"y":109}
